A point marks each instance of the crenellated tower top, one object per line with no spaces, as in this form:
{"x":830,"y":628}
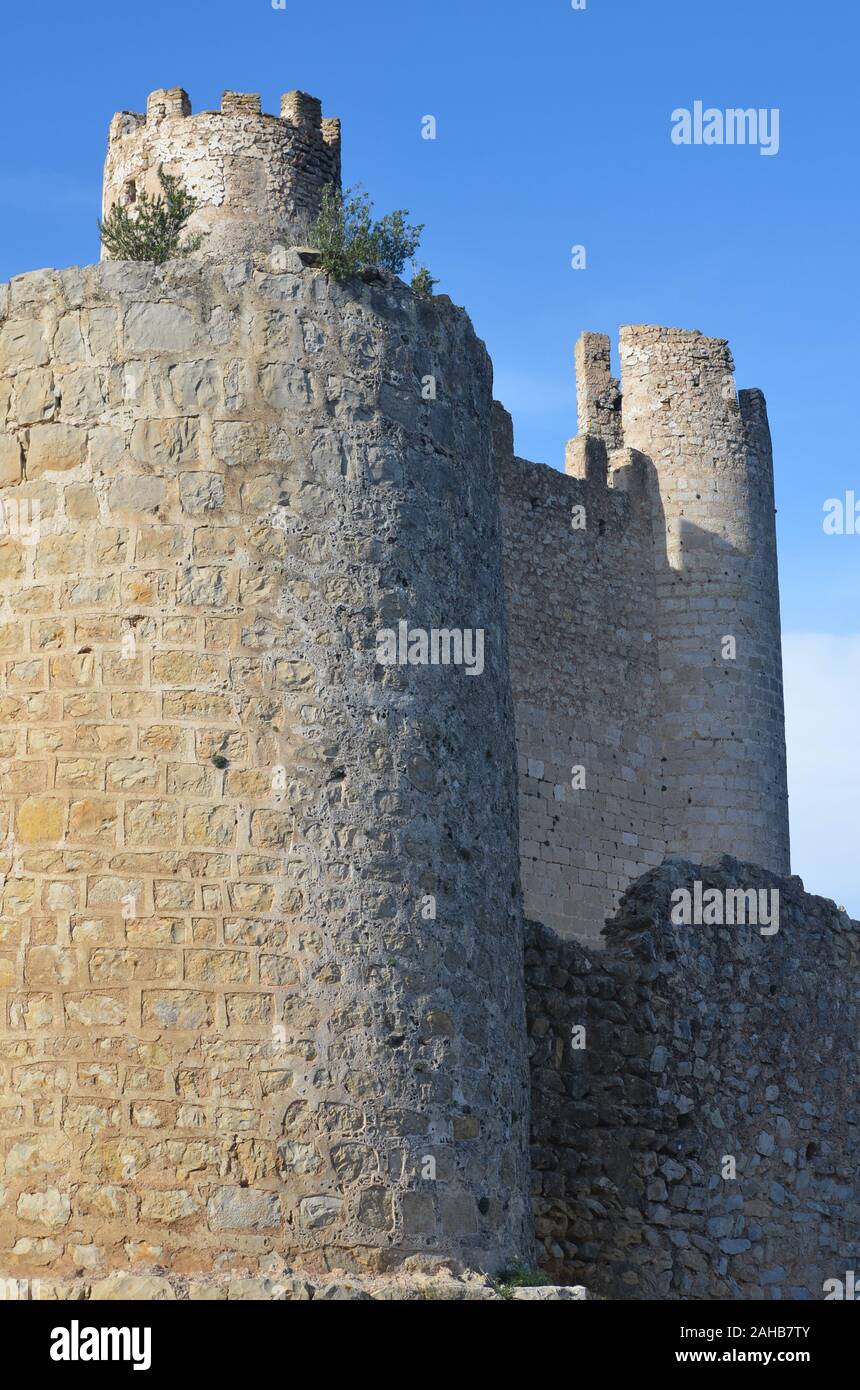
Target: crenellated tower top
{"x":257,"y":178}
{"x":704,"y":453}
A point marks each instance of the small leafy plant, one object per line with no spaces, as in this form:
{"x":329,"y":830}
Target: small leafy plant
{"x":153,"y":231}
{"x":350,"y":242}
{"x":423,"y":282}
{"x":521,"y":1278}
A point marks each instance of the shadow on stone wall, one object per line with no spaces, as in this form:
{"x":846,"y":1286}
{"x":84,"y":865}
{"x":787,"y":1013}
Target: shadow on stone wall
{"x":703,"y":1045}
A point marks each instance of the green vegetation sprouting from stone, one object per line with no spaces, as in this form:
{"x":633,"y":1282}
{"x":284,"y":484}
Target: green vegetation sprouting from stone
{"x":521,"y":1278}
{"x":423,"y":282}
{"x":349,"y":241}
{"x":153,"y":230}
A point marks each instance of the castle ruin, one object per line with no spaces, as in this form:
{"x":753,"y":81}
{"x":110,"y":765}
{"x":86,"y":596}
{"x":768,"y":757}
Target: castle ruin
{"x":262,"y":985}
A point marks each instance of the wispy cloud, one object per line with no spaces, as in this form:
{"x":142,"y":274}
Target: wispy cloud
{"x":822,"y":680}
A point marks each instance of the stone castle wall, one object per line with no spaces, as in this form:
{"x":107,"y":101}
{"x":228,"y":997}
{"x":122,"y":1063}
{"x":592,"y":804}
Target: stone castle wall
{"x":257,"y":178}
{"x":261,"y":980}
{"x":617,"y":620}
{"x":585,"y":680}
{"x":700,"y":1042}
{"x":227,"y":1028}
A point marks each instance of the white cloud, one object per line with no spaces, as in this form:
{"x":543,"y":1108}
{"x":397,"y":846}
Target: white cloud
{"x":822,"y":696}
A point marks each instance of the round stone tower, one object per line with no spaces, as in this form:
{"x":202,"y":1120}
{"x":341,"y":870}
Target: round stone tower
{"x":261,"y":975}
{"x":257,"y":178}
{"x":708,"y":458}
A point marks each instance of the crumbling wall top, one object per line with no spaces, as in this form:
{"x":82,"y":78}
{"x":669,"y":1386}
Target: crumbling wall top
{"x":598,"y":395}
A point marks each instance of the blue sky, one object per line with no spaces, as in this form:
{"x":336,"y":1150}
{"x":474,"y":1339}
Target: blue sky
{"x":553,"y":130}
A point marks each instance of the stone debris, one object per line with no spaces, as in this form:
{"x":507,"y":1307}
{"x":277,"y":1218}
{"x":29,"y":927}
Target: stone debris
{"x":466,"y":1287}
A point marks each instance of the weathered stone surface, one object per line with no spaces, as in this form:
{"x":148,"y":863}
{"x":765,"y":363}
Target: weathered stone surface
{"x":132,"y":1288}
{"x":23,"y":343}
{"x":48,"y":1208}
{"x":550,"y":1293}
{"x":40,"y":819}
{"x":244,"y":204}
{"x":160,"y":327}
{"x":636,"y":735}
{"x":204,"y":794}
{"x":234,"y":1208}
{"x":261,"y":983}
{"x":662,"y":1070}
{"x":55,"y":448}
{"x":11,"y":460}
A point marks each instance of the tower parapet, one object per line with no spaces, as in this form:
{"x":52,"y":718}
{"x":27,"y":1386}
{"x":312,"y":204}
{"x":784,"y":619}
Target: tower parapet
{"x":598,"y":393}
{"x":257,"y":178}
{"x":711,"y":475}
{"x":643,"y":609}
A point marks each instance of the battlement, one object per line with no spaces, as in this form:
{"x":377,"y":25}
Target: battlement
{"x":684,"y":357}
{"x":298,"y":109}
{"x":598,"y":392}
{"x":162,"y":104}
{"x":257,"y":178}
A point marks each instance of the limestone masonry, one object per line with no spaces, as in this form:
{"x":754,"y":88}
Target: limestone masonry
{"x":264,"y":897}
{"x":617,"y":626}
{"x":257,"y":179}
